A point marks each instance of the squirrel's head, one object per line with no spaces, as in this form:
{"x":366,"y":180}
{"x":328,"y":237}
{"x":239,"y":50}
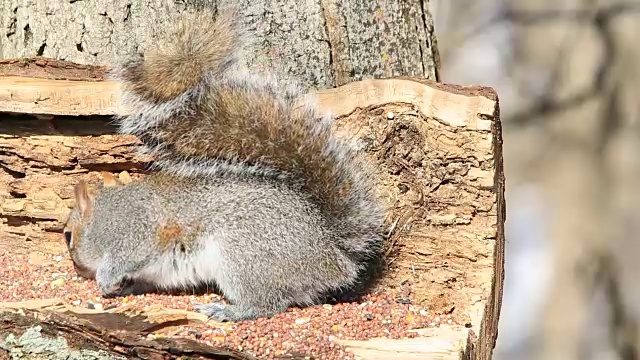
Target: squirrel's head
{"x":83,"y":255}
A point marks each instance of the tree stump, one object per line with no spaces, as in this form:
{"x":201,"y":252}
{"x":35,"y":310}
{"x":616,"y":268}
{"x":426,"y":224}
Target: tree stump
{"x":438,"y":151}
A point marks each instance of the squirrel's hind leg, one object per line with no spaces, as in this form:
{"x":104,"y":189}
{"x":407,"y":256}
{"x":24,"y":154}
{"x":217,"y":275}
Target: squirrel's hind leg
{"x":222,"y":312}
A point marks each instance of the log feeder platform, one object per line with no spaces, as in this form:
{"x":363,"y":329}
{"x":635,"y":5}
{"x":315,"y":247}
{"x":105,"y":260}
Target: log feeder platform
{"x":438,"y":150}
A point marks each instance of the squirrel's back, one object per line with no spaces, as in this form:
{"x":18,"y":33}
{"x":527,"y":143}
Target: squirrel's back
{"x":199,"y":113}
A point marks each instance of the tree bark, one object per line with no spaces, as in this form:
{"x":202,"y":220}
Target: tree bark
{"x":323,"y":43}
{"x":44,"y":334}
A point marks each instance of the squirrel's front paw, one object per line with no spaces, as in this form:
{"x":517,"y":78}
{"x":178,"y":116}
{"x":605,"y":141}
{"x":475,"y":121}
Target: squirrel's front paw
{"x":112,"y":286}
{"x":115,"y":289}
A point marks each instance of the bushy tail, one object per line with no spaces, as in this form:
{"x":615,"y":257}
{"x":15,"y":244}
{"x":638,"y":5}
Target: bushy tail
{"x":196,"y":45}
{"x":198,"y":114}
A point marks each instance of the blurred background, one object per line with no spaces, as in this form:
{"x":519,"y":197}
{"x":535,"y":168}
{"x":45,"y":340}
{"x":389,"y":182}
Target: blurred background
{"x":567,"y":73}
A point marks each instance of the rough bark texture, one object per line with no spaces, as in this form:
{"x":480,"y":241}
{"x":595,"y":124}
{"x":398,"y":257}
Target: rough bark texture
{"x":44,"y":334}
{"x":324,"y":43}
{"x":438,"y":153}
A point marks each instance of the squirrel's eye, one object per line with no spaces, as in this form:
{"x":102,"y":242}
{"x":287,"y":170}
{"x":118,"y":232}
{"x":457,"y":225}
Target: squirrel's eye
{"x":67,"y":237}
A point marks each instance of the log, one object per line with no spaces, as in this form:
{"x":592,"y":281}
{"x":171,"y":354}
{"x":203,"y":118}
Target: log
{"x":323,"y":43}
{"x":63,"y":97}
{"x":31,"y":330}
{"x":438,"y":150}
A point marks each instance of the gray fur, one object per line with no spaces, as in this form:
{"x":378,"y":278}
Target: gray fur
{"x":253,"y":229}
{"x":276,"y":249}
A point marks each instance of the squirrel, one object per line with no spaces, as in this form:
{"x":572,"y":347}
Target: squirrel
{"x":249,"y":190}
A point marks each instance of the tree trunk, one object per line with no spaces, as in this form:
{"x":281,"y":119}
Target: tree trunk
{"x":323,"y":43}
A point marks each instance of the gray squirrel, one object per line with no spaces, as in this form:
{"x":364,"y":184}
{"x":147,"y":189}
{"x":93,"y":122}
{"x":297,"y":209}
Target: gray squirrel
{"x":250,"y":189}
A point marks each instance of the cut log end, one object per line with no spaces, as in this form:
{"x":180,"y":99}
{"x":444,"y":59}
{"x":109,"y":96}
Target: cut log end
{"x":438,"y":151}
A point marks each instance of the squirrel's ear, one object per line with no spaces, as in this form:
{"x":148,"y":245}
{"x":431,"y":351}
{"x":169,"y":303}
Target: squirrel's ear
{"x":84,"y":200}
{"x":108,"y":179}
